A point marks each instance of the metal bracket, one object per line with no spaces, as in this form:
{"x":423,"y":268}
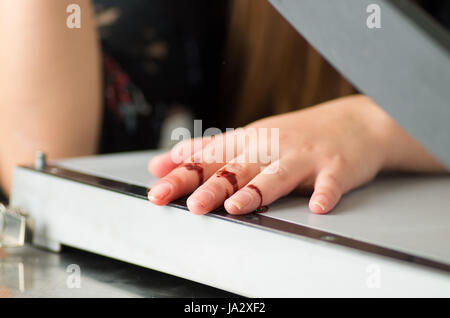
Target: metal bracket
{"x":13,"y":221}
{"x":12,"y":226}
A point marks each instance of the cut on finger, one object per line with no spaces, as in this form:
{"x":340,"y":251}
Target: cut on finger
{"x":275,"y":181}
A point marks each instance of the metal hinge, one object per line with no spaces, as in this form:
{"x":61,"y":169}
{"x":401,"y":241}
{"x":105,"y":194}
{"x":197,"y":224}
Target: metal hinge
{"x":13,"y":221}
{"x":12,"y":226}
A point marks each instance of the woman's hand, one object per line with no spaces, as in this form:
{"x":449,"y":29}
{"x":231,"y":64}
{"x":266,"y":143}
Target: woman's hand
{"x":328,"y":149}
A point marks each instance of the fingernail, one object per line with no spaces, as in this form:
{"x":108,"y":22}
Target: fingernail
{"x":320,"y":205}
{"x":240,"y":200}
{"x":321,"y":202}
{"x":160,"y":191}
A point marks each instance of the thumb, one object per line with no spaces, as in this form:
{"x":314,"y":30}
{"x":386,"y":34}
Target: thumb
{"x":327,"y":191}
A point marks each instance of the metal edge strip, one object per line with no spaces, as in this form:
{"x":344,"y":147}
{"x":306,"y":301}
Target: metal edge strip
{"x":257,"y":220}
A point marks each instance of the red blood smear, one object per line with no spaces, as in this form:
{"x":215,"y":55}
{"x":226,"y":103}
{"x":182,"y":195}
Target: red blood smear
{"x":260,"y":209}
{"x":253,"y":187}
{"x":197,"y":168}
{"x":230,"y":176}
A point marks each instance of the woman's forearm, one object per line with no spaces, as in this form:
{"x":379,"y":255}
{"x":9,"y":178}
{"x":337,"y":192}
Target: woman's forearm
{"x":50,"y":83}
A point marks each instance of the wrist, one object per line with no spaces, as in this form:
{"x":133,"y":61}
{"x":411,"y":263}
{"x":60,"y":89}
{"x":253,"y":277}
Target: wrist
{"x":399,"y":151}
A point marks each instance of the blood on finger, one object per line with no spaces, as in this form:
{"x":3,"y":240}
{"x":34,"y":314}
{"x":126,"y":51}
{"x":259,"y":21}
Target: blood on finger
{"x":197,"y":168}
{"x":230,"y":176}
{"x":260,"y":208}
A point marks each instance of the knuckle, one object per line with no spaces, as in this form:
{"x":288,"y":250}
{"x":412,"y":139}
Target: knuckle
{"x":332,"y":187}
{"x":211,"y":187}
{"x":280,"y":172}
{"x":329,"y":192}
{"x":239,"y":169}
{"x":307,"y":147}
{"x":216,"y":186}
{"x":283,"y":136}
{"x":338,"y":161}
{"x":334,"y":181}
{"x":174,"y":180}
